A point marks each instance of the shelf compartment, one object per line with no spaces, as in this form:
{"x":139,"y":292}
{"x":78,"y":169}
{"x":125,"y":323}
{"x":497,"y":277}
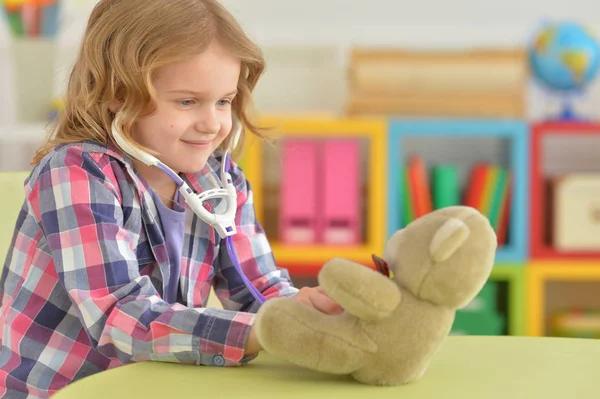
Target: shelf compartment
{"x":465,"y":142}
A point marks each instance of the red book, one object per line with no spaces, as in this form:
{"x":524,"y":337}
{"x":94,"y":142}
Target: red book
{"x":419,"y":183}
{"x":505,"y":216}
{"x":475,"y":191}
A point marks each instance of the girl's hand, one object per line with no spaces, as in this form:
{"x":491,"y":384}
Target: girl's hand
{"x":316,"y":298}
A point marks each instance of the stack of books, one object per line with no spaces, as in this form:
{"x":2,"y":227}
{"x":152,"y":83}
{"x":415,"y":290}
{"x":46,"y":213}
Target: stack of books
{"x":488,"y":189}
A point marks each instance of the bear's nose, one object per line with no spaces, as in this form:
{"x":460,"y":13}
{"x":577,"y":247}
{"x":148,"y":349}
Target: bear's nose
{"x":381,"y":265}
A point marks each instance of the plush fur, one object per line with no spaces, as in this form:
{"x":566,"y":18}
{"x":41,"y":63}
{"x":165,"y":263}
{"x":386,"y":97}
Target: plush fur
{"x":390,"y":328}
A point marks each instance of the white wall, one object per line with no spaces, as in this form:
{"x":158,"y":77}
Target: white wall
{"x":340,"y":24}
{"x":431,"y":24}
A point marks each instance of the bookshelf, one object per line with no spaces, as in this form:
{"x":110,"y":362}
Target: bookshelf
{"x":306,"y":260}
{"x":530,"y":272}
{"x":559,"y":279}
{"x":507,"y":140}
{"x":504,"y":142}
{"x":550,"y":160}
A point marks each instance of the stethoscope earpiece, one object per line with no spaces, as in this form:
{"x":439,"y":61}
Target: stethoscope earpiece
{"x":237,"y":134}
{"x":135,"y":152}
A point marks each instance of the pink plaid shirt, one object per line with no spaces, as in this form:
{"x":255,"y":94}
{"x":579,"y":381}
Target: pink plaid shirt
{"x":81,"y":289}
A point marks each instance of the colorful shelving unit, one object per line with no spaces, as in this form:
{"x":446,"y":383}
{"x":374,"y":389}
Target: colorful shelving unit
{"x":557,"y":148}
{"x":525,"y":265}
{"x":306,"y":260}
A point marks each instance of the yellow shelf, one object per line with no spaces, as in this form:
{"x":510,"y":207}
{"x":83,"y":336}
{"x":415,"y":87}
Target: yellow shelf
{"x":323,"y":126}
{"x":538,"y":273}
{"x":318,"y":126}
{"x":318,"y":254}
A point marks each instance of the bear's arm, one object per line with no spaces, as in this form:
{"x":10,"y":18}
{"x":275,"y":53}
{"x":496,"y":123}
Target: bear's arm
{"x":365,"y":293}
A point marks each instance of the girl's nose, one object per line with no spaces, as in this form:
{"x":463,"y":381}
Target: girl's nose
{"x":208,"y":122}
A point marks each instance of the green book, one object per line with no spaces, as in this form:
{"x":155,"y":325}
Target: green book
{"x":497,"y":196}
{"x":15,"y":22}
{"x":407,"y":211}
{"x":446,"y":190}
{"x":477,"y":324}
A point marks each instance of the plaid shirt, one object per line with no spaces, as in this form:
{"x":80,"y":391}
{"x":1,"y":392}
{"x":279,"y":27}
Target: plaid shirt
{"x":81,"y":289}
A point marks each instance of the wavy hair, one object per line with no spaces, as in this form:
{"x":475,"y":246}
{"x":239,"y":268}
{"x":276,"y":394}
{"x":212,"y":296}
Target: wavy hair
{"x":124,"y":44}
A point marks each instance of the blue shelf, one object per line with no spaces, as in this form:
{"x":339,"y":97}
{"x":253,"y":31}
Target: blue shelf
{"x":515,"y":132}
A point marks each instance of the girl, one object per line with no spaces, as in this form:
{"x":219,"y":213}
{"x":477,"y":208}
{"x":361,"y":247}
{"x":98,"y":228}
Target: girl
{"x":108,"y":265}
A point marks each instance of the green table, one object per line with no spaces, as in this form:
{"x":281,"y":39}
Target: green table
{"x":466,"y":367}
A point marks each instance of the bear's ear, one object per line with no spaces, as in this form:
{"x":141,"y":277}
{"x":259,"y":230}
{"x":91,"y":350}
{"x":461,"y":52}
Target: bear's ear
{"x":448,"y":239}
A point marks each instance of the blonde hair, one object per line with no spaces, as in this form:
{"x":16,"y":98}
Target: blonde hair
{"x":124,"y":44}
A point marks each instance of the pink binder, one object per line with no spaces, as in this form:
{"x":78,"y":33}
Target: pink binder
{"x":340,"y":188}
{"x":298,"y":195}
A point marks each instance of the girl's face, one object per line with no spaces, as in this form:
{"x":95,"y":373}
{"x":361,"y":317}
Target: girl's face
{"x":193,"y":111}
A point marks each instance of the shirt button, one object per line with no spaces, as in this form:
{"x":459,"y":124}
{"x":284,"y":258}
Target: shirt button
{"x":218,"y":360}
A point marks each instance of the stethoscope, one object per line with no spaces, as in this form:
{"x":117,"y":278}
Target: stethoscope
{"x":223,"y":223}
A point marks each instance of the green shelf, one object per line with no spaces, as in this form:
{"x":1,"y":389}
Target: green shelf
{"x":514,"y":275}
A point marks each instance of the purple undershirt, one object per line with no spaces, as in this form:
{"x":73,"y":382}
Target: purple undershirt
{"x":173,"y":223}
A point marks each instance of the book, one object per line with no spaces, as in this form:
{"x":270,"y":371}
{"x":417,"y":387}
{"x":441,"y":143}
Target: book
{"x":446,"y":190}
{"x":420,"y":189}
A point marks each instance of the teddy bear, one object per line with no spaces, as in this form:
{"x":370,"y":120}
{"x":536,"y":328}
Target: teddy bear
{"x":396,"y":315}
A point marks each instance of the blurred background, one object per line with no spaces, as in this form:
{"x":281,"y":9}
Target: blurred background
{"x":386,"y":110}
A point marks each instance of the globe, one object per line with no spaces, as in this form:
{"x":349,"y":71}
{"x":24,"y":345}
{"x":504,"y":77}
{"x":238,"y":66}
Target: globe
{"x":564,"y":57}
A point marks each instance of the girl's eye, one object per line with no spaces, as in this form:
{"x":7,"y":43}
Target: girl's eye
{"x":224,"y":103}
{"x":187,"y":103}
